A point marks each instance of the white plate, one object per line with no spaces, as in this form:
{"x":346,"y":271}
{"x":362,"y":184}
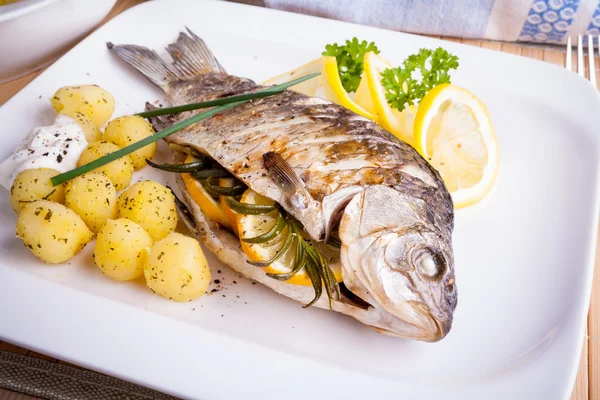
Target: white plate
{"x":524,"y":257}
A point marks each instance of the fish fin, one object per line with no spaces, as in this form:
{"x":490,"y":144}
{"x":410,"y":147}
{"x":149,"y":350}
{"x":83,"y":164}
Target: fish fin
{"x":159,"y":122}
{"x":282,"y":173}
{"x":184,"y":211}
{"x":191,"y":56}
{"x":334,"y":204}
{"x":147,"y":62}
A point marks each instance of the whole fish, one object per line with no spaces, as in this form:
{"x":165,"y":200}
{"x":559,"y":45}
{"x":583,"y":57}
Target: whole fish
{"x":331,"y":170}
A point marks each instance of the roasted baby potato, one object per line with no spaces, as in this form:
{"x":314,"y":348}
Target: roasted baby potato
{"x":51,"y":231}
{"x":124,"y":131}
{"x":151,"y":205}
{"x":34,"y":184}
{"x":91,"y":100}
{"x":93,"y":197}
{"x":121,"y":249}
{"x":92,"y":132}
{"x":119,"y":171}
{"x":177,"y":269}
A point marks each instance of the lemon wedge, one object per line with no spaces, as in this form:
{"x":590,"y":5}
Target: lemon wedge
{"x":399,"y":123}
{"x":308,"y":87}
{"x":334,"y":90}
{"x":362,"y":97}
{"x":329,"y":81}
{"x":209,"y":206}
{"x":251,"y":226}
{"x":228,"y":214}
{"x":454,"y":133}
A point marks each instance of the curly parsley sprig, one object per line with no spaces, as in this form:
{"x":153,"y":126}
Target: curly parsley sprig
{"x":349,"y":58}
{"x":403,"y":85}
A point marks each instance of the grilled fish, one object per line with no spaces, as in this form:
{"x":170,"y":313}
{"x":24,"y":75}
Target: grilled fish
{"x":332,"y":171}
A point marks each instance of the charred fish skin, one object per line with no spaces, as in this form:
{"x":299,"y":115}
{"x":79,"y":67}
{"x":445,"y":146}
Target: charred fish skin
{"x":327,"y":167}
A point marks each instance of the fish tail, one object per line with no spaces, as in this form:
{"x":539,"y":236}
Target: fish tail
{"x":191,"y":56}
{"x":191,"y":59}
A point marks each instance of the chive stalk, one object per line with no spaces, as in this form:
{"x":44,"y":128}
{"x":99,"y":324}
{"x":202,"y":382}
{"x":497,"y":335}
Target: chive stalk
{"x":227,"y":103}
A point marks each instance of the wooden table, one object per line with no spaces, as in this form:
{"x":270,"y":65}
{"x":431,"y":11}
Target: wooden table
{"x":587,"y":385}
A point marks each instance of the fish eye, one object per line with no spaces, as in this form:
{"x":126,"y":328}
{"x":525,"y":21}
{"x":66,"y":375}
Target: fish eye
{"x":428,"y":263}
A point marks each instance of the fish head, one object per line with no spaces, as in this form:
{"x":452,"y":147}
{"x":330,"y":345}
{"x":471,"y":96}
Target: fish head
{"x":397,"y":260}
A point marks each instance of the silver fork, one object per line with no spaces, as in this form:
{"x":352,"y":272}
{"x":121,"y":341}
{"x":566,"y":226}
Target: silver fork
{"x":580,"y":60}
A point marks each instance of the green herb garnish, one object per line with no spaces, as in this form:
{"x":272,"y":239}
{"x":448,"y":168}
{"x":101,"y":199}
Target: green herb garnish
{"x":212,"y":103}
{"x":404,"y":87}
{"x":228,"y":102}
{"x":349,"y":59}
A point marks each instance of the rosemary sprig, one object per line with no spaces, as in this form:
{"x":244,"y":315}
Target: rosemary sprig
{"x":280,"y":252}
{"x":270,"y":234}
{"x":317,"y":270}
{"x":306,"y":255}
{"x":189,"y":167}
{"x":228,"y":103}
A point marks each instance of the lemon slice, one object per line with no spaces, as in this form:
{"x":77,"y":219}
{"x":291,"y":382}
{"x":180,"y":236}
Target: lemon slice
{"x":335,"y":92}
{"x":228,"y":213}
{"x":209,"y":206}
{"x":362,"y":97}
{"x":329,"y":81}
{"x":454,"y":133}
{"x":399,"y":123}
{"x":250,"y":226}
{"x":308,"y":87}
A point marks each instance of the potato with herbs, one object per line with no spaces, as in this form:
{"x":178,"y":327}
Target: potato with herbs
{"x":177,"y":269}
{"x":124,"y":131}
{"x":34,"y":184}
{"x":121,"y":249}
{"x":51,"y":231}
{"x":151,"y":205}
{"x":93,"y":197}
{"x":119,"y":171}
{"x":91,"y":100}
{"x":92,"y":132}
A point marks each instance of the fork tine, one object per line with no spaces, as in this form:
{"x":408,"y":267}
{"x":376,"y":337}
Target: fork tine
{"x":592,"y":67}
{"x":580,"y":66}
{"x":568,"y":58}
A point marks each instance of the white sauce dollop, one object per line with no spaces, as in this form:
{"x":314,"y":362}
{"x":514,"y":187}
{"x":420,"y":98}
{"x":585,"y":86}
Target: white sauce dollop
{"x":57,"y":146}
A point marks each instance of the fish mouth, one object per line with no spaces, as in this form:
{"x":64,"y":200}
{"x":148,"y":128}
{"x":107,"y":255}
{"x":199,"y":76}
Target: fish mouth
{"x":405,"y":319}
{"x":433,"y":329}
{"x":442,"y":329}
{"x":424,"y":327}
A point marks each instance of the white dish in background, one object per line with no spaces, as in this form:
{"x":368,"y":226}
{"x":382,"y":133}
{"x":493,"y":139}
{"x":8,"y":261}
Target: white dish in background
{"x":524,"y":256}
{"x":35,"y":32}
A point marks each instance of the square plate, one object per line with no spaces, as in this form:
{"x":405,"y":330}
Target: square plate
{"x":524,"y":256}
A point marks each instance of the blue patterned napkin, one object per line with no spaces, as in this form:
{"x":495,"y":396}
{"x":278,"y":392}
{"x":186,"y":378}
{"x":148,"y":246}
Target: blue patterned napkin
{"x":541,"y":21}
